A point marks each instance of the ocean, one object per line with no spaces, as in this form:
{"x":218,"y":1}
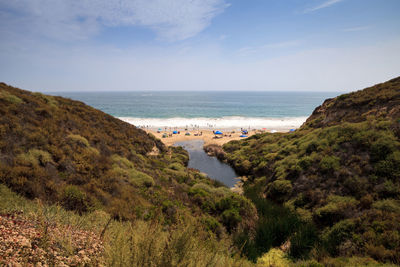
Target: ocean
{"x":225,"y":110}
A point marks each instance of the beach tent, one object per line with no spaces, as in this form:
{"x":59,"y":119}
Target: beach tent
{"x":291,"y":130}
{"x":243,"y":135}
{"x":175,"y":132}
{"x":218,"y":132}
{"x":187,"y":133}
{"x":165,"y":135}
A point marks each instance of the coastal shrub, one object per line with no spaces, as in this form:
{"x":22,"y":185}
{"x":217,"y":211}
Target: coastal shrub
{"x":329,"y":164}
{"x":213,"y":225}
{"x":221,"y":191}
{"x":176,"y":166}
{"x":287,"y":166}
{"x":7,"y":96}
{"x":337,"y":234}
{"x":337,"y":208}
{"x":78,"y":140}
{"x":389,"y":167}
{"x":388,"y":189}
{"x":123,"y":243}
{"x":73,"y":198}
{"x":390,"y":205}
{"x":274,"y":257}
{"x":123,"y":168}
{"x":132,"y":175}
{"x":231,"y":218}
{"x":202,"y":186}
{"x":274,"y":226}
{"x":279,"y":190}
{"x":35,"y":157}
{"x":380,"y":149}
{"x":305,"y":163}
{"x":50,"y":100}
{"x":303,"y":241}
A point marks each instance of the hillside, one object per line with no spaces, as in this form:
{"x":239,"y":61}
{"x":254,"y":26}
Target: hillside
{"x":65,"y":153}
{"x":379,"y":101}
{"x":336,"y":179}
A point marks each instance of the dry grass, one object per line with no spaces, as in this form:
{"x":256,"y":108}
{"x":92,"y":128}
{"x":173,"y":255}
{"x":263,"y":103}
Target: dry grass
{"x":95,"y":239}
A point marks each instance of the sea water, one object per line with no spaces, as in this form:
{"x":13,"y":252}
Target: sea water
{"x":220,"y":109}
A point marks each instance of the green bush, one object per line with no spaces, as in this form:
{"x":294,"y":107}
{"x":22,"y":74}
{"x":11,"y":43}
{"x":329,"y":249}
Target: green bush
{"x":78,"y":140}
{"x":390,"y":205}
{"x":176,"y":166}
{"x":213,"y":225}
{"x":329,"y":164}
{"x":124,"y":168}
{"x":337,"y":234}
{"x":336,"y":209}
{"x":303,"y":241}
{"x":279,"y":190}
{"x":35,"y":157}
{"x":10,"y":97}
{"x":73,"y":198}
{"x":231,"y":218}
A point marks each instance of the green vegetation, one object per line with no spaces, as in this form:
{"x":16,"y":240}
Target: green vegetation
{"x":138,"y":243}
{"x":75,"y":158}
{"x":333,"y":185}
{"x":327,"y":194}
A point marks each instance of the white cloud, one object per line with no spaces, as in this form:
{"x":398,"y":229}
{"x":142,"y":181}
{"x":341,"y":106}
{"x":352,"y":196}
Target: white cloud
{"x":65,"y":19}
{"x":322,"y":5}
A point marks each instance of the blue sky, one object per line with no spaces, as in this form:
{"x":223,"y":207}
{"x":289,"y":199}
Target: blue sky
{"x":313,"y":45}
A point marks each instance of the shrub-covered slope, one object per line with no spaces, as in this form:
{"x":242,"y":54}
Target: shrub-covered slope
{"x":379,"y":101}
{"x":63,"y":151}
{"x":340,"y":172}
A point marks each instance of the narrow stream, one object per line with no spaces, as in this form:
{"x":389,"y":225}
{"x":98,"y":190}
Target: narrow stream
{"x":198,"y":159}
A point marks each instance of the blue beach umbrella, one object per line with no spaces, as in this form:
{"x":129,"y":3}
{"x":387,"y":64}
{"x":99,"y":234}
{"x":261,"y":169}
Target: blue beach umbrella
{"x":243,"y":135}
{"x":218,"y":132}
{"x":175,"y":132}
{"x":292,"y":130}
{"x":245,"y":132}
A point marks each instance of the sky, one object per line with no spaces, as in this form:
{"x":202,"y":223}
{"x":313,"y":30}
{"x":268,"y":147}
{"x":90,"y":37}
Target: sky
{"x":268,"y":45}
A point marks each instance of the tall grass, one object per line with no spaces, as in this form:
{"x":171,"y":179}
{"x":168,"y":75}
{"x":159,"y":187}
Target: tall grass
{"x":139,"y":243}
{"x":275,"y":226}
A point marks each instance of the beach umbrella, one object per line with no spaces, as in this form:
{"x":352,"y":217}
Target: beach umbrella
{"x":159,"y":129}
{"x":243,"y":135}
{"x":218,"y":132}
{"x":244,"y":132}
{"x":175,"y":132}
{"x":291,"y":130}
{"x":273,"y":131}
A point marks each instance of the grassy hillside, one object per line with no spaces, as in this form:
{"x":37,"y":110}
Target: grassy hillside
{"x":68,"y":154}
{"x":335,"y":182}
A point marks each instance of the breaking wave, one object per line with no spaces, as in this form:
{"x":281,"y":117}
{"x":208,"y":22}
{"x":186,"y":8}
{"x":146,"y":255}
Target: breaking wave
{"x":233,"y":122}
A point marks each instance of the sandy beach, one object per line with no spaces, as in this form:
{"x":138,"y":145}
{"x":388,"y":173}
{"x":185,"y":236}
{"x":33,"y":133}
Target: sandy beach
{"x":207,"y":136}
